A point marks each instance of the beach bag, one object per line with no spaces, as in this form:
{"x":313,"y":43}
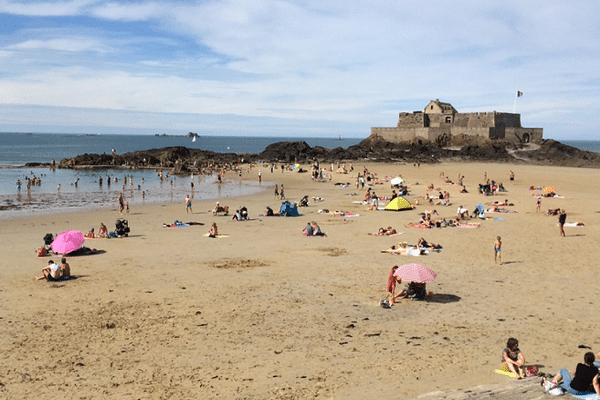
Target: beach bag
{"x":531,"y":370}
{"x":41,"y":252}
{"x":552,"y":388}
{"x":112,"y":234}
{"x":385,"y":303}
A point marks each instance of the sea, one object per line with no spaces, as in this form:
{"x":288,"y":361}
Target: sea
{"x":65,"y":190}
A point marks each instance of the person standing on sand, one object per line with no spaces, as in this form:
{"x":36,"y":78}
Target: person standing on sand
{"x":121,"y":203}
{"x":281,"y":194}
{"x":497,"y":251}
{"x":259,"y":176}
{"x":562,"y":218}
{"x":276,"y":193}
{"x":538,"y":204}
{"x":188,"y":204}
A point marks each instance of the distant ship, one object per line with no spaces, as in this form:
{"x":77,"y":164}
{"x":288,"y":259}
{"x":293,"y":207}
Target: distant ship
{"x":194,"y":139}
{"x":339,"y":138}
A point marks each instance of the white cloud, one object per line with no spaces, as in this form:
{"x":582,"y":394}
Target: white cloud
{"x":344,"y":61}
{"x":65,"y":44}
{"x":45,"y":8}
{"x":129,"y":11}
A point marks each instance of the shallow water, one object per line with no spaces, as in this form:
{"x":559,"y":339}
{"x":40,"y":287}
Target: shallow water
{"x":89,"y":194}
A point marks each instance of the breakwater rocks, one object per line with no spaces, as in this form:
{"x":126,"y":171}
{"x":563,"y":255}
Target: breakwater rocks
{"x":182,"y":160}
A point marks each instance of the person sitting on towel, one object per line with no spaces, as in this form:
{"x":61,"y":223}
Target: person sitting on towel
{"x":584,"y":378}
{"x":512,"y":358}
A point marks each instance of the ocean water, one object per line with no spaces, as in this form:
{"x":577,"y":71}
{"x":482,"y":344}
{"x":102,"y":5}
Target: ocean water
{"x":81,"y":190}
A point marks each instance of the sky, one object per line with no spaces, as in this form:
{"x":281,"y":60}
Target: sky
{"x":295,"y":67}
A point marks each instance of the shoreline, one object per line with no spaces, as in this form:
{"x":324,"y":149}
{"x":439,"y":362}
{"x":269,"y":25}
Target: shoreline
{"x":268,"y":313}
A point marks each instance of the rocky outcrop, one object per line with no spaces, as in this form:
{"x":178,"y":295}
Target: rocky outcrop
{"x":182,"y":160}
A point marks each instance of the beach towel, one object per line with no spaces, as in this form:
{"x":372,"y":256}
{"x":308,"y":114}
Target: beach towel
{"x":339,"y":213}
{"x":414,"y":225}
{"x":377,"y":234}
{"x":507,"y":373}
{"x":471,"y":225}
{"x":218,"y":236}
{"x":583,"y":396}
{"x":501,"y":211}
{"x":179,"y":224}
{"x":574,"y":224}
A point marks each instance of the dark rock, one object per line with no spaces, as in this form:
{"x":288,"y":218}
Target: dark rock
{"x":182,"y":160}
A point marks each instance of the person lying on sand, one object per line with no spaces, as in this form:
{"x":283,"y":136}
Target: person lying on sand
{"x":384,"y":232}
{"x":90,"y":234}
{"x":403,"y":248}
{"x":425,"y":244}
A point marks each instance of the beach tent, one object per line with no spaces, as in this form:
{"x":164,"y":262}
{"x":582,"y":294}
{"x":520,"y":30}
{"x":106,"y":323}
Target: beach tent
{"x":399,"y":204}
{"x":288,"y":209}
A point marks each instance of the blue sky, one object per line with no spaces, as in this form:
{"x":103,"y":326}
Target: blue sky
{"x":279,"y":68}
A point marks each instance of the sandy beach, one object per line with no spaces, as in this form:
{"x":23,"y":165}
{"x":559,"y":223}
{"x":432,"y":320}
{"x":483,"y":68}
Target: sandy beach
{"x":266,"y":313}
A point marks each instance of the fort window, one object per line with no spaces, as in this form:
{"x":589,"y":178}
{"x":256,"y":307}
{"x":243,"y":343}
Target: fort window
{"x":448,"y":120}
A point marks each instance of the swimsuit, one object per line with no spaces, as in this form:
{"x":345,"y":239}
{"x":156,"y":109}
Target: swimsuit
{"x":497,"y":250}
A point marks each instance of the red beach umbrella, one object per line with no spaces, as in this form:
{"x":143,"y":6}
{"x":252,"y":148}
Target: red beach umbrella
{"x":415,"y":273}
{"x":67,"y":242}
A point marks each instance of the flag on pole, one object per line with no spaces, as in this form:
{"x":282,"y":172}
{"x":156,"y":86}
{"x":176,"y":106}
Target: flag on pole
{"x":519,"y":94}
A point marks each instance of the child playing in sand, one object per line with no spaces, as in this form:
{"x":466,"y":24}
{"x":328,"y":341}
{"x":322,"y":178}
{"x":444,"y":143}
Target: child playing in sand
{"x":497,"y":251}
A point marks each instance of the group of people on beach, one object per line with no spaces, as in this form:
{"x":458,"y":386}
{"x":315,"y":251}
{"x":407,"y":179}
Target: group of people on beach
{"x":313,"y":229}
{"x":585,"y":379}
{"x":54,"y":272}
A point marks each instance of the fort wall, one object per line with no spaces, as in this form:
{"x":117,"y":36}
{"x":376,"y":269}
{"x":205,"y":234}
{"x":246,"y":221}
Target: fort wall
{"x":411,"y":120}
{"x":442,"y":119}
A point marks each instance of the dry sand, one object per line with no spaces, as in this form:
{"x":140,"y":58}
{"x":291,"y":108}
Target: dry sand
{"x":267,"y":313}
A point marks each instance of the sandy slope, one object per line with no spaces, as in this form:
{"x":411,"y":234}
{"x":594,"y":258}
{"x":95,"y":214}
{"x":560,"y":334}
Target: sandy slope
{"x":269,"y":313}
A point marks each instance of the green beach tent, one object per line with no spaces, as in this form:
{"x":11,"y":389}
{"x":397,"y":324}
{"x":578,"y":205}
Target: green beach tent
{"x":399,"y":204}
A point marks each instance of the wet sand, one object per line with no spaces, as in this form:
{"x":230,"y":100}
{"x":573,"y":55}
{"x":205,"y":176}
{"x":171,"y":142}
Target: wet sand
{"x":268,"y":313}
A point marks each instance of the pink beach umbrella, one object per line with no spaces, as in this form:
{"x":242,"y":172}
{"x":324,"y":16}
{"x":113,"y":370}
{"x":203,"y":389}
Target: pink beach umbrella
{"x":415,"y":273}
{"x":67,"y":242}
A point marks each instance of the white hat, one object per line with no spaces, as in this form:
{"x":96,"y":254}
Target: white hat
{"x":217,"y":202}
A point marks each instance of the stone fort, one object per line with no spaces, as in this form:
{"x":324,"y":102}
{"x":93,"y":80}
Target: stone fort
{"x":441,"y":120}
